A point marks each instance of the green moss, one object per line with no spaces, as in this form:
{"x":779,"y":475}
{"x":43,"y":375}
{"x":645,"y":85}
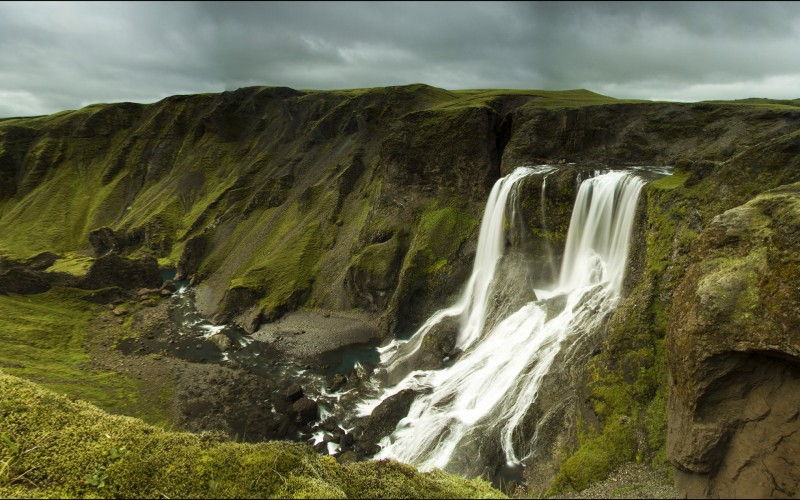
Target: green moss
{"x":72,"y":264}
{"x":670,"y":182}
{"x":72,"y":449}
{"x":597,"y":456}
{"x":439,"y":235}
{"x":44,"y":337}
{"x":287,"y":263}
{"x":379,"y":260}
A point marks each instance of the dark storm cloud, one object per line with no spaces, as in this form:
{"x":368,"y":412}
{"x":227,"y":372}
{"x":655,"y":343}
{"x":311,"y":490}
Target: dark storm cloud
{"x":57,"y":56}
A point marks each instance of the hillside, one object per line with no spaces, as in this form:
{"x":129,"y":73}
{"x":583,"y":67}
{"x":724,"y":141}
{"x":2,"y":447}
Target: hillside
{"x":366,"y":203}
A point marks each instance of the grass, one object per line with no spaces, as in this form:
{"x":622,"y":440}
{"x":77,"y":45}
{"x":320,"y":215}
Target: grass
{"x":74,"y":264}
{"x":44,"y":338}
{"x":75,"y":450}
{"x":670,"y":181}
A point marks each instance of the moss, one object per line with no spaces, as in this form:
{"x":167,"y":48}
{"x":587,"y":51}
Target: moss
{"x":44,"y":338}
{"x":74,"y":264}
{"x":598,"y":455}
{"x":72,"y":449}
{"x":670,"y":182}
{"x":286,"y":266}
{"x":379,"y":261}
{"x":439,"y":235}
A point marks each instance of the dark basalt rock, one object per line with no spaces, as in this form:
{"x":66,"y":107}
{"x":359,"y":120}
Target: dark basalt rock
{"x":23,"y":281}
{"x":114,"y":270}
{"x":293,"y":393}
{"x":385,"y":417}
{"x":41,"y":261}
{"x":191,"y":257}
{"x":305,"y":410}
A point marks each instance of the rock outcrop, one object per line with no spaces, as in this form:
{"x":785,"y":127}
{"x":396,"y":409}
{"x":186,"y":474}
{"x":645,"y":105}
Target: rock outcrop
{"x":734,"y":355}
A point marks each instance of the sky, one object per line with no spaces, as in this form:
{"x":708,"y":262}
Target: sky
{"x":66,"y":55}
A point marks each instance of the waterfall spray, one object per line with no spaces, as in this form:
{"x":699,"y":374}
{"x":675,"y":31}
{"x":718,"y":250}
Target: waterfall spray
{"x":487,"y":392}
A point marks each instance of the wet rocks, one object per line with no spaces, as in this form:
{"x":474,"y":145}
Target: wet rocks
{"x":294,"y":392}
{"x":385,"y":416}
{"x":305,"y":410}
{"x":222,"y":341}
{"x":438,"y":345}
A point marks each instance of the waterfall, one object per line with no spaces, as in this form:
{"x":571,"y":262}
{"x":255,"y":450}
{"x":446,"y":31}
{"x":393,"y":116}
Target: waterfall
{"x":486,"y":393}
{"x":471,"y":306}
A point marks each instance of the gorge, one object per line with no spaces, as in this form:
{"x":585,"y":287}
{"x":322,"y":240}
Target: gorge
{"x":341,"y":222}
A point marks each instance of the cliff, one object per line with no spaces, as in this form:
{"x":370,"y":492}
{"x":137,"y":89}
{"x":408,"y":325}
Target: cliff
{"x":273,"y":199}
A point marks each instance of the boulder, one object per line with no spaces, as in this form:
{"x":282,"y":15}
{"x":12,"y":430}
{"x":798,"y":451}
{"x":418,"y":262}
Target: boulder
{"x":385,"y":416}
{"x":293,"y":393}
{"x":305,"y":410}
{"x":221,"y":341}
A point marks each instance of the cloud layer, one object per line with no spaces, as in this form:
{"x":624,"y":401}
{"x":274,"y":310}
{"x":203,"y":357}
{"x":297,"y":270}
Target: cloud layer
{"x":60,"y":55}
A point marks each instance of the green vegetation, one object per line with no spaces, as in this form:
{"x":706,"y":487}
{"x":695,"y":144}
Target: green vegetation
{"x":44,"y":340}
{"x":72,"y":264}
{"x":56,"y":448}
{"x":288,"y":190}
{"x":440,"y":234}
{"x":670,"y":182}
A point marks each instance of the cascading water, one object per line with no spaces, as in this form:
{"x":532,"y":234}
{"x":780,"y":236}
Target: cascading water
{"x":487,"y":392}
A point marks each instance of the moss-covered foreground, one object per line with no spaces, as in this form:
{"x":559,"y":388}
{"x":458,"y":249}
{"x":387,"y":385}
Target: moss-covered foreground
{"x":51,"y":446}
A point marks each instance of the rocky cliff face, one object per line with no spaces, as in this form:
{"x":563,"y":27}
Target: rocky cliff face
{"x":272,"y":199}
{"x":734,"y":354}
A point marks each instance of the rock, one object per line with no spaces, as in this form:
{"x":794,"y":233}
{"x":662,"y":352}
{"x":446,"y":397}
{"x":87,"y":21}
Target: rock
{"x":294,"y":392}
{"x":336,"y":382}
{"x":305,"y":410}
{"x":734,"y":356}
{"x":221,"y":341}
{"x":104,"y":240}
{"x":41,"y":261}
{"x":190,"y":259}
{"x":169,"y":286}
{"x":385,"y":416}
{"x":373,"y":274}
{"x":23,"y":281}
{"x":437,"y":346}
{"x":165,"y":293}
{"x":119,"y":311}
{"x":114,"y":270}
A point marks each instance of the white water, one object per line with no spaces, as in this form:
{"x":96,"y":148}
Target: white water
{"x":487,"y":392}
{"x":471,"y":306}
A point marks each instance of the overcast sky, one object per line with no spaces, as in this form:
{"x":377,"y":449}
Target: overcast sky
{"x":62,"y":55}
